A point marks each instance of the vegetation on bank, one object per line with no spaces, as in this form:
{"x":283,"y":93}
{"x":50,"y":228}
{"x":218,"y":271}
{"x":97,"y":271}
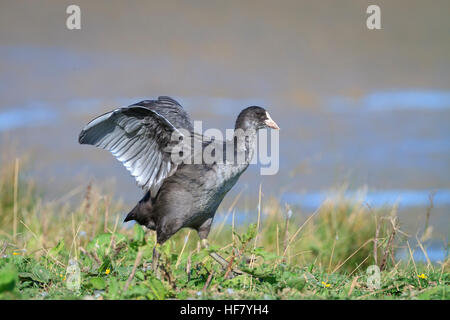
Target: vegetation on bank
{"x":287,"y":254}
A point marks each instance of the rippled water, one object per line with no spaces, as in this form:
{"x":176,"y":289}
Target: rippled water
{"x":356,"y":107}
{"x":403,"y":198}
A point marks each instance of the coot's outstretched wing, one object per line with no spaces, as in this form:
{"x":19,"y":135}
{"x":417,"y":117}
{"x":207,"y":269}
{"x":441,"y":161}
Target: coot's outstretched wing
{"x":171,"y":110}
{"x":140,"y":136}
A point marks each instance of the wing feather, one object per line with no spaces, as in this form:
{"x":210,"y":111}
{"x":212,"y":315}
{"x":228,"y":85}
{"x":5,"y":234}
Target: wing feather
{"x":139,"y":136}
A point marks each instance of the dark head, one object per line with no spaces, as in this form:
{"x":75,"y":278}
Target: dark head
{"x":255,"y":118}
{"x":142,"y":212}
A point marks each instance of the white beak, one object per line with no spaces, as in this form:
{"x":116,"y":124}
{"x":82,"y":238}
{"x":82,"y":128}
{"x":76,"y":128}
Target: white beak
{"x":270,"y":123}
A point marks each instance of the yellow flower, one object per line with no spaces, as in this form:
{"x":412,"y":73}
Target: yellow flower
{"x":326,"y":285}
{"x":16,"y":253}
{"x":422,"y":276}
{"x":64,"y":278}
{"x":107,"y":271}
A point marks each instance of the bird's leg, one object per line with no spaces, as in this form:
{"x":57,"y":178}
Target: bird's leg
{"x":155,"y":261}
{"x":224,"y":263}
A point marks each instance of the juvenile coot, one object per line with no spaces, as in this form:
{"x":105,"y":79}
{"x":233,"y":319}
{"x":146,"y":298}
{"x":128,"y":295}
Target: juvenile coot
{"x":178,"y":195}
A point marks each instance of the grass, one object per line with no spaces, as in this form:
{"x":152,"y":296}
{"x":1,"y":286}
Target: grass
{"x":288,"y":254}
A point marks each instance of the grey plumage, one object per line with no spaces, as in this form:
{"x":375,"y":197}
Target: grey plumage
{"x":177,"y":195}
{"x":139,"y":136}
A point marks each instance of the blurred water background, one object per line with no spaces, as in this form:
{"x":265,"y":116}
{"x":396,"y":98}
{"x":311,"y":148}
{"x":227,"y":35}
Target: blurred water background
{"x":367,"y":110}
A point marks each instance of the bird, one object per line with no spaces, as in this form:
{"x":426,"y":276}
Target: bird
{"x":179,"y":193}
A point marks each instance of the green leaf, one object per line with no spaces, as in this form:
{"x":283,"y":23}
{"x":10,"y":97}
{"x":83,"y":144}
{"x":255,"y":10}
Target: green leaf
{"x":113,"y":288}
{"x":97,"y":283}
{"x":297,"y":283}
{"x":29,"y":275}
{"x":57,"y":249}
{"x":136,"y":291}
{"x":263,"y":276}
{"x":40,"y":273}
{"x":250,"y":234}
{"x":8,"y":278}
{"x":106,"y":264}
{"x":140,"y":275}
{"x":102,"y":242}
{"x":237,"y":235}
{"x":439,"y":292}
{"x":158,"y":291}
{"x":139,"y":235}
{"x":259,"y":251}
